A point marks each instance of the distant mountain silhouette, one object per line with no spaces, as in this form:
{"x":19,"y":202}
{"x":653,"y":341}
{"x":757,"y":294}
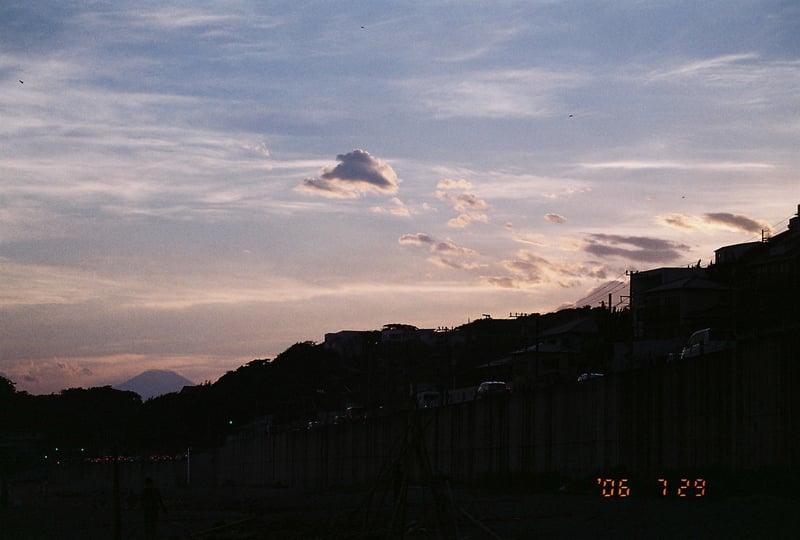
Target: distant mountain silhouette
{"x":155,"y":382}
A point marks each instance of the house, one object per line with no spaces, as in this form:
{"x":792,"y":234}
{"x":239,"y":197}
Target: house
{"x":668,"y":304}
{"x":562,"y":352}
{"x":350,"y":343}
{"x":752,"y":287}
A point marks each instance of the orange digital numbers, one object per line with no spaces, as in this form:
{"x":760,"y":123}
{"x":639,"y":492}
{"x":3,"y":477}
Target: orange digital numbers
{"x":663,"y":483}
{"x":686,"y":487}
{"x":669,"y":487}
{"x":622,"y":488}
{"x":699,"y":487}
{"x":683,"y":487}
{"x":610,"y":487}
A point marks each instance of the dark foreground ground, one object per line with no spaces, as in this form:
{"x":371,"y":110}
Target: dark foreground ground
{"x":471,"y":513}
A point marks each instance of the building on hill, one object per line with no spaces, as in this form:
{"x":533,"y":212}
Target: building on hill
{"x":350,"y":343}
{"x":565,"y":350}
{"x":765,"y":282}
{"x":399,"y":333}
{"x":668,"y":304}
{"x":750,"y":288}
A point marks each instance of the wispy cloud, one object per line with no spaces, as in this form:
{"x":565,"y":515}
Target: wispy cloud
{"x":453,"y":264}
{"x":701,"y":67}
{"x":743,"y":80}
{"x":721,"y":166}
{"x":452,"y":183}
{"x":514,"y":93}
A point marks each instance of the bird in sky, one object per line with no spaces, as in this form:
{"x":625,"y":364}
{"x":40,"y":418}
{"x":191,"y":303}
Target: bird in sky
{"x":20,"y":82}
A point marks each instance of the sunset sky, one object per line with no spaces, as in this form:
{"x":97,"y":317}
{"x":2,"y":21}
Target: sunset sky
{"x":193,"y":185}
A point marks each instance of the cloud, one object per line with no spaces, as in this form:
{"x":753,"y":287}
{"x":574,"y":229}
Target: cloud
{"x":688,"y":165}
{"x":701,"y":66}
{"x":531,"y":238}
{"x":417,"y":239}
{"x":735,"y":221}
{"x":503,"y":282}
{"x":472,"y":209}
{"x":555,"y":218}
{"x":70,"y":373}
{"x":512,"y":93}
{"x":450,"y":248}
{"x":445,"y":262}
{"x":449,"y":183}
{"x":357,"y":173}
{"x":529,"y":269}
{"x":398,"y":208}
{"x":444,"y":253}
{"x":465,"y":220}
{"x":718,"y":220}
{"x":678,"y":221}
{"x":637,"y":248}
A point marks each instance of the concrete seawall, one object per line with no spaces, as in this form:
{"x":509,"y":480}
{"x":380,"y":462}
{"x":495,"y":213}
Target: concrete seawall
{"x":733,"y":410}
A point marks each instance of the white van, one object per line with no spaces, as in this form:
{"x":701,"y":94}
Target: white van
{"x":706,"y":341}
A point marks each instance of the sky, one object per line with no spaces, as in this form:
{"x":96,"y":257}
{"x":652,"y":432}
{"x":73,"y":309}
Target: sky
{"x":194,"y":185}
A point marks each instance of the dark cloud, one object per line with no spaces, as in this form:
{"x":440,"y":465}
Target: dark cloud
{"x":417,"y":239}
{"x":451,"y":248}
{"x":739,"y":222}
{"x":555,"y":218}
{"x":637,"y":248}
{"x":503,"y":282}
{"x":726,"y":220}
{"x":357,"y":173}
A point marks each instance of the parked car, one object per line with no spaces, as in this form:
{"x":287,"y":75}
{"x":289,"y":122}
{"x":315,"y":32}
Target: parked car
{"x":589,"y":376}
{"x":428,"y":398}
{"x":355,"y":413}
{"x":492,"y":387}
{"x":706,"y":341}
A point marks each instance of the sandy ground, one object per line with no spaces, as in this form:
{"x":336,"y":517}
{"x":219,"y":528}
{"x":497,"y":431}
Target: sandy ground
{"x":272,"y":513}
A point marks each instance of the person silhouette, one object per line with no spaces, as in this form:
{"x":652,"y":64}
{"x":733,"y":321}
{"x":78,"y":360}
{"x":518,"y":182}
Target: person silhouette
{"x":152,"y":505}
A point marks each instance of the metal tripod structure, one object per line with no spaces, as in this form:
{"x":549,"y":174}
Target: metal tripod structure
{"x":413,"y":456}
